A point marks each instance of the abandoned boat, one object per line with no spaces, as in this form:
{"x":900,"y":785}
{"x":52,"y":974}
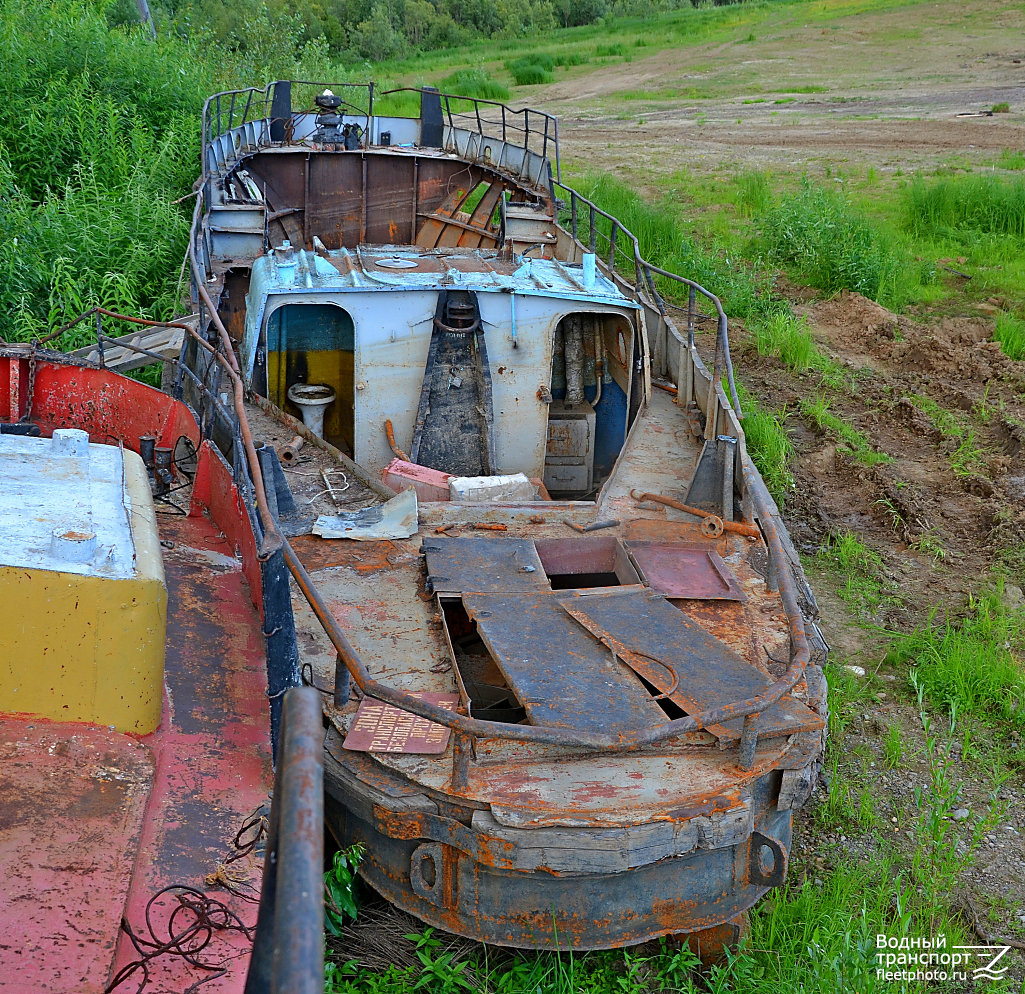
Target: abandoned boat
{"x":494,"y":505}
{"x":573,"y":682}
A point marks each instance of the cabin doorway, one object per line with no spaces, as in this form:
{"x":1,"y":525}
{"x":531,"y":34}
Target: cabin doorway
{"x":314,"y":343}
{"x":588,"y":417}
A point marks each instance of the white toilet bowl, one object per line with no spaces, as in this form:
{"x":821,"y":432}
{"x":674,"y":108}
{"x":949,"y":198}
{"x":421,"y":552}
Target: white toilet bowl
{"x":312,"y":399}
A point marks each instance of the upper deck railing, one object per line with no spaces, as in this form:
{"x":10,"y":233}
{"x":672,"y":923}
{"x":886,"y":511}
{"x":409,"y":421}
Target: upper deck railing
{"x":261,"y":108}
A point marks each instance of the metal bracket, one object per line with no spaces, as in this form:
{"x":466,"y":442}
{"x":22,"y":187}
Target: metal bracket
{"x":767,"y":861}
{"x":426,"y":874}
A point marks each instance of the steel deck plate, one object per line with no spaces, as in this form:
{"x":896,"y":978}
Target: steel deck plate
{"x":561,"y":675}
{"x":660,"y":640}
{"x":458,"y":565}
{"x":685,"y":571}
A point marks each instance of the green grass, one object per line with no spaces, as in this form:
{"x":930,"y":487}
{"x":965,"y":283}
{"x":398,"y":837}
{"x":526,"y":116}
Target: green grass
{"x":743,"y":289}
{"x":530,"y":70}
{"x":1010,"y":333}
{"x":974,"y":203}
{"x":975,"y":665}
{"x":830,"y":245}
{"x":850,"y":441}
{"x":476,"y":82}
{"x":780,"y":333}
{"x":858,"y":569}
{"x":1011,"y":158}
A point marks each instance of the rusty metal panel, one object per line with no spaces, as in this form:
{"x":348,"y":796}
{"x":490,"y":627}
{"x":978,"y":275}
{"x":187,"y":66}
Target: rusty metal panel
{"x":686,"y":572}
{"x":455,"y":565}
{"x":561,"y":675}
{"x":390,"y":182}
{"x":379,"y":727}
{"x":677,"y":655}
{"x":336,"y":184}
{"x":578,"y":555}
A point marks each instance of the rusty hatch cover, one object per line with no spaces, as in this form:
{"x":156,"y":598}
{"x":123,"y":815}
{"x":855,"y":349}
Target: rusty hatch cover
{"x":379,"y":727}
{"x":683,"y":571}
{"x":560,"y":673}
{"x":455,"y":565}
{"x":675,"y":654}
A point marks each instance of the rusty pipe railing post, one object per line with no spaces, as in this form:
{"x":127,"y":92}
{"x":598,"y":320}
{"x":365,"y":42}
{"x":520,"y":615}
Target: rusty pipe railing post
{"x":288,"y":950}
{"x":748,"y":741}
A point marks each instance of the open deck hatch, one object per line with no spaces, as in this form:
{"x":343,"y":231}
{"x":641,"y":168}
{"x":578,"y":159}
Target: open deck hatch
{"x":602,"y":659}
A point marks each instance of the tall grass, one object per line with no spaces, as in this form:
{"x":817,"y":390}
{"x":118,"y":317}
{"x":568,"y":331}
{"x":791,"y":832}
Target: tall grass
{"x":984,"y":203}
{"x":475,"y":82}
{"x":832,"y":247}
{"x":99,"y":141}
{"x":1010,"y":333}
{"x":743,"y":289}
{"x":529,"y":70}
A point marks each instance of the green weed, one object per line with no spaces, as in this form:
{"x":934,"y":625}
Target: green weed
{"x":1012,"y":159}
{"x":893,"y":746}
{"x":937,"y":862}
{"x":781,"y":333}
{"x":1001,"y":108}
{"x":340,"y":903}
{"x":532,"y":69}
{"x":858,"y":568}
{"x":931,"y":545}
{"x":968,"y":459}
{"x":786,"y":336}
{"x":475,"y":82}
{"x":850,"y":441}
{"x":1010,"y":333}
{"x":975,"y":666}
{"x":753,"y":192}
{"x":833,"y":247}
{"x":977,"y":203}
{"x":769,"y":445}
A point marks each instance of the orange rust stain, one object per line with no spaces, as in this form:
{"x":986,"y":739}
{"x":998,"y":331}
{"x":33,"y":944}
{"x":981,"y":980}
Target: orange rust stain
{"x":364,"y":557}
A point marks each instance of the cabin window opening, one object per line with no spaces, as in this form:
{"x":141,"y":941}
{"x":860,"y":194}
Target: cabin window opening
{"x":313,"y":344}
{"x":490,"y":696}
{"x":576,"y":563}
{"x":590,"y":388}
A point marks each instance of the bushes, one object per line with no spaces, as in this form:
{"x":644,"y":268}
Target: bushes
{"x":532,"y":69}
{"x":832,"y":247}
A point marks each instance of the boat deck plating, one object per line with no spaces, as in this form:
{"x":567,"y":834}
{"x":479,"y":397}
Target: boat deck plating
{"x":95,"y":822}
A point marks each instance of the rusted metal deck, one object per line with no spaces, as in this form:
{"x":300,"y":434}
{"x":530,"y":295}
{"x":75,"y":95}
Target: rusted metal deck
{"x":94,"y":822}
{"x":629,"y":627}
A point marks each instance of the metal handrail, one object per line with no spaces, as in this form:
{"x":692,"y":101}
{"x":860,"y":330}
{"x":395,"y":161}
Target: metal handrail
{"x":548,"y":137}
{"x":288,"y":949}
{"x":643,"y":275}
{"x":218,"y":119}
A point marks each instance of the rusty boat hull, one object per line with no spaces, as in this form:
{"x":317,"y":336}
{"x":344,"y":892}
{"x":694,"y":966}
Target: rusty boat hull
{"x":572,"y":682}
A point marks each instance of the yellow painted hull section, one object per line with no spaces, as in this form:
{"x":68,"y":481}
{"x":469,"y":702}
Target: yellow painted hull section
{"x":89,"y":648}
